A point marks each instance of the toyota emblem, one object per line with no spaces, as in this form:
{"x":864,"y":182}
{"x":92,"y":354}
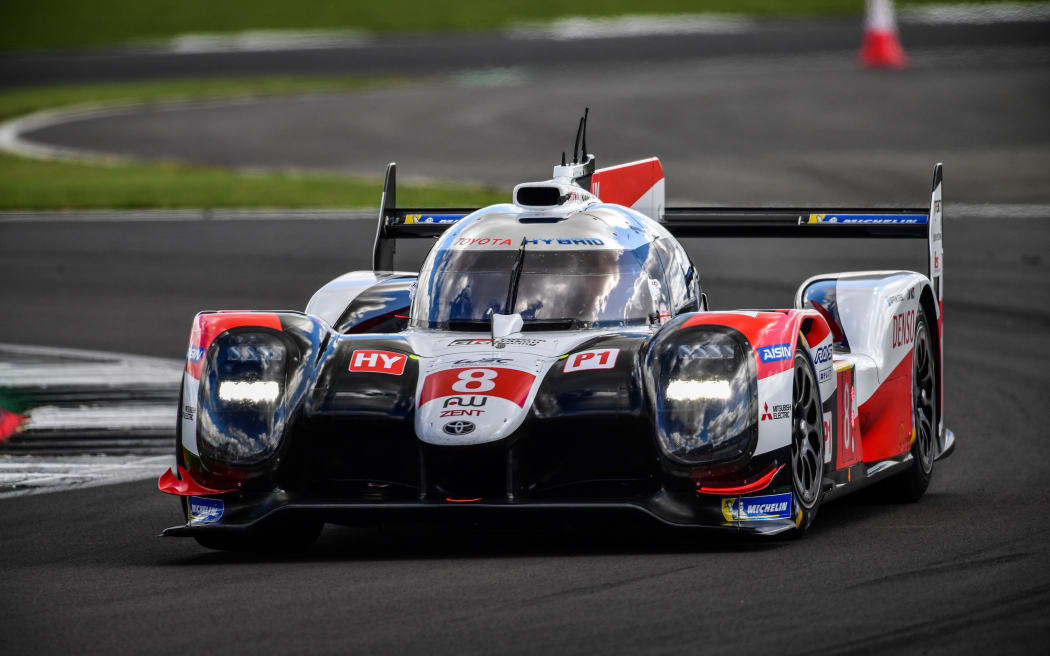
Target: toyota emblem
{"x":458,"y":427}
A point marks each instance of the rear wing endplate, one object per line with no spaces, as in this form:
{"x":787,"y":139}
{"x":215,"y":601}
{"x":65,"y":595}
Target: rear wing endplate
{"x":406,"y":222}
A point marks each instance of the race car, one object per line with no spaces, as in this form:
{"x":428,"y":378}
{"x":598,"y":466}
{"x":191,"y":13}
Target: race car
{"x":555,"y":359}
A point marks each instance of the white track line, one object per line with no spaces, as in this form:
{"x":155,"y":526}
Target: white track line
{"x":24,"y":475}
{"x":104,"y":418}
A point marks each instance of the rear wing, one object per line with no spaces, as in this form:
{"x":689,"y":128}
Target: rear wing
{"x":911,"y":223}
{"x":406,"y":222}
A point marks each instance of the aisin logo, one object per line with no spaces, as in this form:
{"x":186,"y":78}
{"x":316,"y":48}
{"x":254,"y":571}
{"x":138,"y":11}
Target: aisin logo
{"x":458,"y":427}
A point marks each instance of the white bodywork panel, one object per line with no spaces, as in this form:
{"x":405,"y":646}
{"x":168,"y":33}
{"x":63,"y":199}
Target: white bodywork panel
{"x":774,"y":411}
{"x":188,"y":413}
{"x":477,"y":363}
{"x":329,"y":301}
{"x":877,"y":310}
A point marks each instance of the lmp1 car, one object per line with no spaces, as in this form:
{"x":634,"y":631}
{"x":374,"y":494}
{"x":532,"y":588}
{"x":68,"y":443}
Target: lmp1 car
{"x":555,"y":357}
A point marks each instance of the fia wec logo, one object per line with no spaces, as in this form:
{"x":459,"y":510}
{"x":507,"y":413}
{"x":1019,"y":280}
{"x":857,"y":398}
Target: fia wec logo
{"x":379,"y":362}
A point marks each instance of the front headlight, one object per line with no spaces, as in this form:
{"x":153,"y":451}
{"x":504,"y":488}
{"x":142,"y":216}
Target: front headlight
{"x":245,"y":381}
{"x":702,"y":390}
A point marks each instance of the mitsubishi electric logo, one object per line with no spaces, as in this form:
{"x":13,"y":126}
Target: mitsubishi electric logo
{"x":779,"y":411}
{"x":458,"y":427}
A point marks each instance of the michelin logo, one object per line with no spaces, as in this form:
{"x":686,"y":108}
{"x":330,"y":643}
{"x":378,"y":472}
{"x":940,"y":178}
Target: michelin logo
{"x":911,"y":219}
{"x":775,"y":352}
{"x":433,"y":218}
{"x":772,"y":506}
{"x":205,"y":511}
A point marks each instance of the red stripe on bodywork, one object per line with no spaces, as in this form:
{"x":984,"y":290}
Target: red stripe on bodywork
{"x":184,"y":485}
{"x":743,"y":487}
{"x":886,"y":417}
{"x":819,"y":330}
{"x":836,"y":330}
{"x":764,"y":329}
{"x":206,"y":327}
{"x":627,"y":183}
{"x":509,"y":384}
{"x":848,"y":450}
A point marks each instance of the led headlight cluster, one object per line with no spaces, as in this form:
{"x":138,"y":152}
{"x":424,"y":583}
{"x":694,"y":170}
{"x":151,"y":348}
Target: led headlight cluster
{"x":702,"y":390}
{"x":244,"y":382}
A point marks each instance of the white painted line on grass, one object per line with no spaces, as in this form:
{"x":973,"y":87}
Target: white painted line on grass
{"x":177,"y":216}
{"x":974,"y":14}
{"x":572,"y":28}
{"x":265,"y":40}
{"x":11,"y":132}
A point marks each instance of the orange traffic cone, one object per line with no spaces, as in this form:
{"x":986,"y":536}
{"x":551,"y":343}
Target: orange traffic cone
{"x":881,"y":47}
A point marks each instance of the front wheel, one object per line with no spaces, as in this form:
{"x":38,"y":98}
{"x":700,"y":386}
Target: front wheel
{"x":807,"y":442}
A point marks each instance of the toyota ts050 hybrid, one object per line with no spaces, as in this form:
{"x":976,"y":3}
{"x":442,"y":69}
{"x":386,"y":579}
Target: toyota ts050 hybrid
{"x":555,"y":357}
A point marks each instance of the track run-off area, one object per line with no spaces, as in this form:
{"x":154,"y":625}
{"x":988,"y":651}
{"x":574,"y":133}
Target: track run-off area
{"x":962,"y":571}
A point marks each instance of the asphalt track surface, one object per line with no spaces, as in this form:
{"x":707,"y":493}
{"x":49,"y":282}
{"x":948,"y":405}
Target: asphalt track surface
{"x":964,"y":570}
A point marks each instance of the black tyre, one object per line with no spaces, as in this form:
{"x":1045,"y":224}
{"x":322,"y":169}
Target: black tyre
{"x":911,"y":485}
{"x":807,"y":442}
{"x":283,"y":539}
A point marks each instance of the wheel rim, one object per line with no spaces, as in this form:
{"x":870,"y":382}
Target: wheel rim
{"x":923,"y":390}
{"x":807,"y":442}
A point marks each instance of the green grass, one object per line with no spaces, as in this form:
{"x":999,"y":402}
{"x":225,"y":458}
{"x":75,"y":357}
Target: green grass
{"x":24,"y":100}
{"x":34,"y":24}
{"x":45,"y":185}
{"x":28,"y":184}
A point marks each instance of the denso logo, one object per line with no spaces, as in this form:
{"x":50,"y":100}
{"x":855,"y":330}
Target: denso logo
{"x":775,"y":352}
{"x":822,"y":354}
{"x":903,"y":328}
{"x":380,"y":362}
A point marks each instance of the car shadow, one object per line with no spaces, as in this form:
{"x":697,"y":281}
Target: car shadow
{"x":391,"y":542}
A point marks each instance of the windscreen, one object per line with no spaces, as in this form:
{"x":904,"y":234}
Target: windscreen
{"x":461,"y":289}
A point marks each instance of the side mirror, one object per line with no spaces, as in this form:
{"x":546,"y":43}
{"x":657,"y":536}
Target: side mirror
{"x":506,"y":324}
{"x":703,"y":302}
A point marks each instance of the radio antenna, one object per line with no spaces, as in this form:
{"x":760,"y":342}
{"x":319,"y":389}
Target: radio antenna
{"x":576,"y":146}
{"x":586,"y":110}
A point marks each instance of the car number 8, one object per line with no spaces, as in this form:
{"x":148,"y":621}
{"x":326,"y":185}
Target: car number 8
{"x":475,"y":380}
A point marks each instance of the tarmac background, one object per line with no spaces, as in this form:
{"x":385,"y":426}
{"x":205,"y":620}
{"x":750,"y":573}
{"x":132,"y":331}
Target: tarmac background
{"x":963,"y":571}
